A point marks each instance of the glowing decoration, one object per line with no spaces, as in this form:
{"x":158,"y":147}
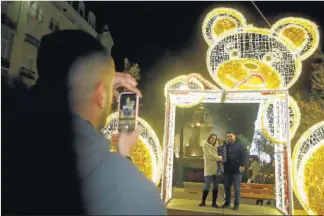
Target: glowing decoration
{"x":301,"y":35}
{"x":267,"y":119}
{"x":251,"y":65}
{"x":183,"y":83}
{"x":245,"y":57}
{"x":220,"y":21}
{"x":307,"y":169}
{"x":284,"y":190}
{"x":147,"y":154}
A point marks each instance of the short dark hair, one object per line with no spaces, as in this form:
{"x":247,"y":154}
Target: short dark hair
{"x":231,"y":132}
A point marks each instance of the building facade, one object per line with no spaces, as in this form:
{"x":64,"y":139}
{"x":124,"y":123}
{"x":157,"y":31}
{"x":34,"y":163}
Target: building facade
{"x":23,"y":23}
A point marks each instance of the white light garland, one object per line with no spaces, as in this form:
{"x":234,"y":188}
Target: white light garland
{"x":245,"y":57}
{"x":309,"y":144}
{"x":148,"y":137}
{"x":215,"y":96}
{"x":268,"y":126}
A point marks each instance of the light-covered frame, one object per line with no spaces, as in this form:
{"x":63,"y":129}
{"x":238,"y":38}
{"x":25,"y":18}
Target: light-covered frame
{"x":284,"y":191}
{"x":147,"y":135}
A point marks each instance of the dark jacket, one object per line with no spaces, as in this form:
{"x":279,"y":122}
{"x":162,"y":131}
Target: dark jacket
{"x":236,"y":156}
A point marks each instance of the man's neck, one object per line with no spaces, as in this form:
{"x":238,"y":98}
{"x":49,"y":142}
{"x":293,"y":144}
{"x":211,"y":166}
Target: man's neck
{"x":86,"y":116}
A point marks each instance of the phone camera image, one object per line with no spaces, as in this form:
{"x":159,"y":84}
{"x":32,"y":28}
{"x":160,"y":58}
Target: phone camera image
{"x":127,"y":112}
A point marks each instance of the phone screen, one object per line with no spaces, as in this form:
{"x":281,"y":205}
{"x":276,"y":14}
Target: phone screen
{"x":128,"y":109}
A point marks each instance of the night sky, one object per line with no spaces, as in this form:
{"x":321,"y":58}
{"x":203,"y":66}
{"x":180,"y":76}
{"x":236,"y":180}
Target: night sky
{"x":165,"y":38}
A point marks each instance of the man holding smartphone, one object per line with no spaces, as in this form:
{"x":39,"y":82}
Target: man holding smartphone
{"x":61,"y":125}
{"x":111,"y":183}
{"x":233,"y":169}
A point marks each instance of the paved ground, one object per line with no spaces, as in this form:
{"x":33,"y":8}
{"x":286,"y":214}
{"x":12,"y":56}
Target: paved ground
{"x":183,"y":212}
{"x":185,"y":202}
{"x":184,"y":206}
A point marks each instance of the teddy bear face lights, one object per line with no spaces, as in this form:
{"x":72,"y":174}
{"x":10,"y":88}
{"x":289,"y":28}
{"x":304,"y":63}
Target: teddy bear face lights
{"x":244,"y":57}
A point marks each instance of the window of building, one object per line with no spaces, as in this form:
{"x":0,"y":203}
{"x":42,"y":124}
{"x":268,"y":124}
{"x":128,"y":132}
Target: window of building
{"x":6,"y":42}
{"x":91,"y":19}
{"x":54,"y":25}
{"x":36,"y":11}
{"x":51,"y":25}
{"x":81,"y":9}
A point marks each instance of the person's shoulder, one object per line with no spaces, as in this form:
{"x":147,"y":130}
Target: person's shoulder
{"x":123,"y":171}
{"x":239,"y":143}
{"x":126,"y":188}
{"x":121,"y":165}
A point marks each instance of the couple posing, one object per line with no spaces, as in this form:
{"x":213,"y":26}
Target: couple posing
{"x":223,"y":161}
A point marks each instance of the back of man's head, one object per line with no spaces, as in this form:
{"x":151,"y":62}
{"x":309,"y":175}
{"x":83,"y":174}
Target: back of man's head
{"x":59,"y":50}
{"x":39,"y":142}
{"x":70,"y":65}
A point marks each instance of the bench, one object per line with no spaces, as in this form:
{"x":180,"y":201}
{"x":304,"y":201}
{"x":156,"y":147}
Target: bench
{"x":257,"y":191}
{"x":252,"y":191}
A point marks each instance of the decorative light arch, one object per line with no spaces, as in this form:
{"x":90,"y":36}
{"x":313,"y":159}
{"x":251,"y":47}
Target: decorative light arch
{"x":280,"y":116}
{"x":251,"y":65}
{"x":148,"y":145}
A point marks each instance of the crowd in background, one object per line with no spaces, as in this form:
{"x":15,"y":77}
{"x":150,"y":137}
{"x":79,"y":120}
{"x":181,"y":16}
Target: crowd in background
{"x":259,"y":173}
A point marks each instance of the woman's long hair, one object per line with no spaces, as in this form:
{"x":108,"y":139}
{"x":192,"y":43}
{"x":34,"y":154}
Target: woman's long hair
{"x":210,"y":136}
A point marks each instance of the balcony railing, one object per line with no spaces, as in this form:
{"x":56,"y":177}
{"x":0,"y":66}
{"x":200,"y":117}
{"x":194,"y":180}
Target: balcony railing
{"x":5,"y":62}
{"x":32,"y":40}
{"x":25,"y":72}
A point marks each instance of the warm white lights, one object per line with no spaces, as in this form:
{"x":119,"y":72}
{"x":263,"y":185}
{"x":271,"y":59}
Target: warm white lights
{"x":251,"y":65}
{"x":308,"y":172}
{"x":269,"y":126}
{"x":150,"y":145}
{"x":218,"y":96}
{"x":245,"y":57}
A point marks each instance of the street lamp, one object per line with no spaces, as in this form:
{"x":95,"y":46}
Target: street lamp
{"x":200,"y":120}
{"x":200,"y":116}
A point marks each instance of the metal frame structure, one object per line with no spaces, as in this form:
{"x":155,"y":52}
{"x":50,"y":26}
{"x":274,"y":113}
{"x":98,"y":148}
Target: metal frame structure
{"x":284,"y":189}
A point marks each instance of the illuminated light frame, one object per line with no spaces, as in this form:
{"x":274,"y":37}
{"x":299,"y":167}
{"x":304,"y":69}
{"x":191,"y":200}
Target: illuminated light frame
{"x":189,"y":97}
{"x":187,"y":82}
{"x":147,"y":136}
{"x":302,"y":153}
{"x":284,"y":191}
{"x":299,"y":53}
{"x":296,"y":119}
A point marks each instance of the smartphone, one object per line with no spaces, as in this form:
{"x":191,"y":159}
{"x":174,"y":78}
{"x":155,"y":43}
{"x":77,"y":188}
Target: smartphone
{"x":128,"y":111}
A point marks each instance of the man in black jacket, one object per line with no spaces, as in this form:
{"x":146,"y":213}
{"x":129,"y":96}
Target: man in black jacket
{"x":233,"y":169}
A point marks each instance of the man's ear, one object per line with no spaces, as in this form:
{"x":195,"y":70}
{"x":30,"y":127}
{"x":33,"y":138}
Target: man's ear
{"x":101,"y":95}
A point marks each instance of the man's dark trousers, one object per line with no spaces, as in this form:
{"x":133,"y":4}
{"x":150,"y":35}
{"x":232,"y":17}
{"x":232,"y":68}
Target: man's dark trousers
{"x":235,"y":179}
